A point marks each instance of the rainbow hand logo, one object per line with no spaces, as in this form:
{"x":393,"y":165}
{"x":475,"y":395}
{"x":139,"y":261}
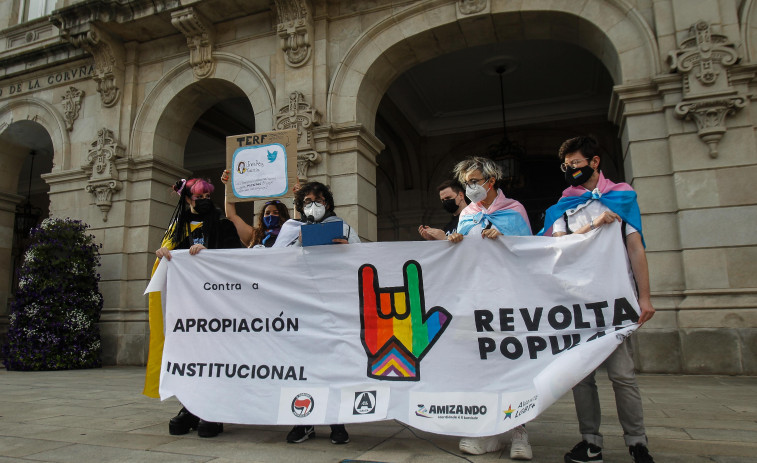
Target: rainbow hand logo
{"x":396,"y":330}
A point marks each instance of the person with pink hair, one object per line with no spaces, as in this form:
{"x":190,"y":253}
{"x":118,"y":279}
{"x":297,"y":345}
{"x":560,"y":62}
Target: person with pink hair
{"x":196,"y":224}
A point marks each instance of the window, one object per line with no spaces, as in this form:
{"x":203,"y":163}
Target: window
{"x":33,"y":9}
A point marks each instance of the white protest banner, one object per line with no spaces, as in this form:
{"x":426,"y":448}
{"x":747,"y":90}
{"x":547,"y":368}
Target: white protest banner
{"x":467,"y":339}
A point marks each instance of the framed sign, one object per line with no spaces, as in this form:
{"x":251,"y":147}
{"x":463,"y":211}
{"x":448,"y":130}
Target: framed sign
{"x":263,"y":165}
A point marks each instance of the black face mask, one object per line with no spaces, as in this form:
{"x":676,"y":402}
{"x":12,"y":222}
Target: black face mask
{"x":449,"y":205}
{"x":576,"y":177}
{"x":204,"y":206}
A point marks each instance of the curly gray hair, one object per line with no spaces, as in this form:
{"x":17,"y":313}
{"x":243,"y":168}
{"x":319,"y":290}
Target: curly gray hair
{"x":487,"y":167}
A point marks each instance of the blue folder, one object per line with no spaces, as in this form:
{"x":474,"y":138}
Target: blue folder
{"x":315,"y":234}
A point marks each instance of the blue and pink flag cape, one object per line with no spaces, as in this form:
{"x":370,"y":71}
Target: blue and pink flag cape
{"x":507,"y":215}
{"x":618,"y":197}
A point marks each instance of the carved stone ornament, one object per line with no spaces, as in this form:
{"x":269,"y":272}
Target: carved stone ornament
{"x":295,"y":30}
{"x":298,"y":114}
{"x":708,"y":96}
{"x":109,"y":61}
{"x":709,"y":116}
{"x":103,"y":181}
{"x":466,"y":7}
{"x":200,"y":36}
{"x":72,"y":106}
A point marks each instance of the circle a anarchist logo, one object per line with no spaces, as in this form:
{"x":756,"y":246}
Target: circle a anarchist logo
{"x":365,"y":403}
{"x":302,"y":405}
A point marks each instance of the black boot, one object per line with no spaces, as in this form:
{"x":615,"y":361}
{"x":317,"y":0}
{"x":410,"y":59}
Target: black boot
{"x":209,"y":429}
{"x":182,"y":423}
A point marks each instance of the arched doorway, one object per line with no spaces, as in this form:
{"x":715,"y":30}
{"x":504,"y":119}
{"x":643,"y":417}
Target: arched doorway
{"x":26,"y":152}
{"x":450,"y":107}
{"x":615,"y":35}
{"x":194,"y":126}
{"x":205,"y":150}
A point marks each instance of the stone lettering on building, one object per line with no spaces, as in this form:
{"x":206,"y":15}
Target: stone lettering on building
{"x":50,"y":80}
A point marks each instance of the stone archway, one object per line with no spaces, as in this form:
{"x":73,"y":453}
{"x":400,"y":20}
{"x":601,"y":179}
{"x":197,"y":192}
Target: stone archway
{"x":164,"y":121}
{"x":611,"y":30}
{"x":749,"y":30}
{"x":44,"y":114}
{"x":23,"y":201}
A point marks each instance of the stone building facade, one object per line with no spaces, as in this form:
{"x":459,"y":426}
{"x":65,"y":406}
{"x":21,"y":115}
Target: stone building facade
{"x":105,"y":103}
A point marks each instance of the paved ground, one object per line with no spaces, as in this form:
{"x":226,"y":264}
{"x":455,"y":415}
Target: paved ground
{"x":100,"y":416}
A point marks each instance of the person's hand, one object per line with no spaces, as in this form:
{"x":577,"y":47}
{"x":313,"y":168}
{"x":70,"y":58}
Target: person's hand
{"x":455,"y":237}
{"x":429,"y":233}
{"x":196,"y":248}
{"x":605,"y":217}
{"x":647,"y":311}
{"x":340,"y":241}
{"x":225,"y":175}
{"x":296,"y":187}
{"x":163,"y":252}
{"x":491,"y":233}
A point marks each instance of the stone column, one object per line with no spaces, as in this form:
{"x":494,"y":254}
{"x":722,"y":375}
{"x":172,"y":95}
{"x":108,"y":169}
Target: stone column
{"x":714,"y":161}
{"x":648,"y":168}
{"x":350,"y":169}
{"x":8,"y":203}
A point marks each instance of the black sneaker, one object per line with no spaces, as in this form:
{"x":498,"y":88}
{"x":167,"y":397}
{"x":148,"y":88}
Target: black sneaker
{"x":640,"y":454}
{"x":339,"y":434}
{"x":584,"y":452}
{"x":209,"y":429}
{"x":300,"y":434}
{"x":182,"y":423}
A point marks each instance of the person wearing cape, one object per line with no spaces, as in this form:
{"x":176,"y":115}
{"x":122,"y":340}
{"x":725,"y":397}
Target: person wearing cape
{"x":590,"y":202}
{"x":489,"y":215}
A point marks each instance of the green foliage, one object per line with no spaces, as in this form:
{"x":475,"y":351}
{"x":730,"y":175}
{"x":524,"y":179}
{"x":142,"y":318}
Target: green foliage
{"x":53,"y":320}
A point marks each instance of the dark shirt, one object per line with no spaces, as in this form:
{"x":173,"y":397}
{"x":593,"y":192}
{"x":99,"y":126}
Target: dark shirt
{"x":224,"y":235}
{"x":451,"y":226}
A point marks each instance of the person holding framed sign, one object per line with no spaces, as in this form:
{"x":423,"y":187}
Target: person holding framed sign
{"x":270,"y":220}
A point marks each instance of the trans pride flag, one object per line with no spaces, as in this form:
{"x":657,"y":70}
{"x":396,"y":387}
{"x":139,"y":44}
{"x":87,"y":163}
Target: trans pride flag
{"x":507,"y":215}
{"x":618,"y":197}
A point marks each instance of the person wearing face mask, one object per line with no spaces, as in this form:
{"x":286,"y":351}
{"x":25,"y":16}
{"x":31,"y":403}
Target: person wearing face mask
{"x":196,"y":224}
{"x":489,"y":215}
{"x":315,"y":204}
{"x":273,"y":215}
{"x":453,"y":201}
{"x":590,"y":202}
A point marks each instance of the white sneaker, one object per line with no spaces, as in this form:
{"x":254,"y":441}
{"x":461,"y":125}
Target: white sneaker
{"x":520,"y":449}
{"x":482,"y":445}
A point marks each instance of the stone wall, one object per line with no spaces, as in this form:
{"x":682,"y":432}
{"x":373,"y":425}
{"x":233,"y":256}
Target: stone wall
{"x":150,"y":71}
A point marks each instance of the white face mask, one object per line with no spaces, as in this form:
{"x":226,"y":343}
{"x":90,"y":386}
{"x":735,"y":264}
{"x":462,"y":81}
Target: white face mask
{"x":476,"y":193}
{"x":317,"y":210}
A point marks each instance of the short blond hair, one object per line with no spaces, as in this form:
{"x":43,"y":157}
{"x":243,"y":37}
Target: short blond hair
{"x":487,"y":167}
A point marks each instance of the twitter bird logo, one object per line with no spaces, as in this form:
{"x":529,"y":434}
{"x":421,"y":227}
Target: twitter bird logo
{"x":272,"y":156}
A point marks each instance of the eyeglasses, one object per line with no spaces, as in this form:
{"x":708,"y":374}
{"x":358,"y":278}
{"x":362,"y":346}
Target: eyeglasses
{"x":309,"y":201}
{"x":573,"y":164}
{"x":202,"y":196}
{"x":474,"y":181}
